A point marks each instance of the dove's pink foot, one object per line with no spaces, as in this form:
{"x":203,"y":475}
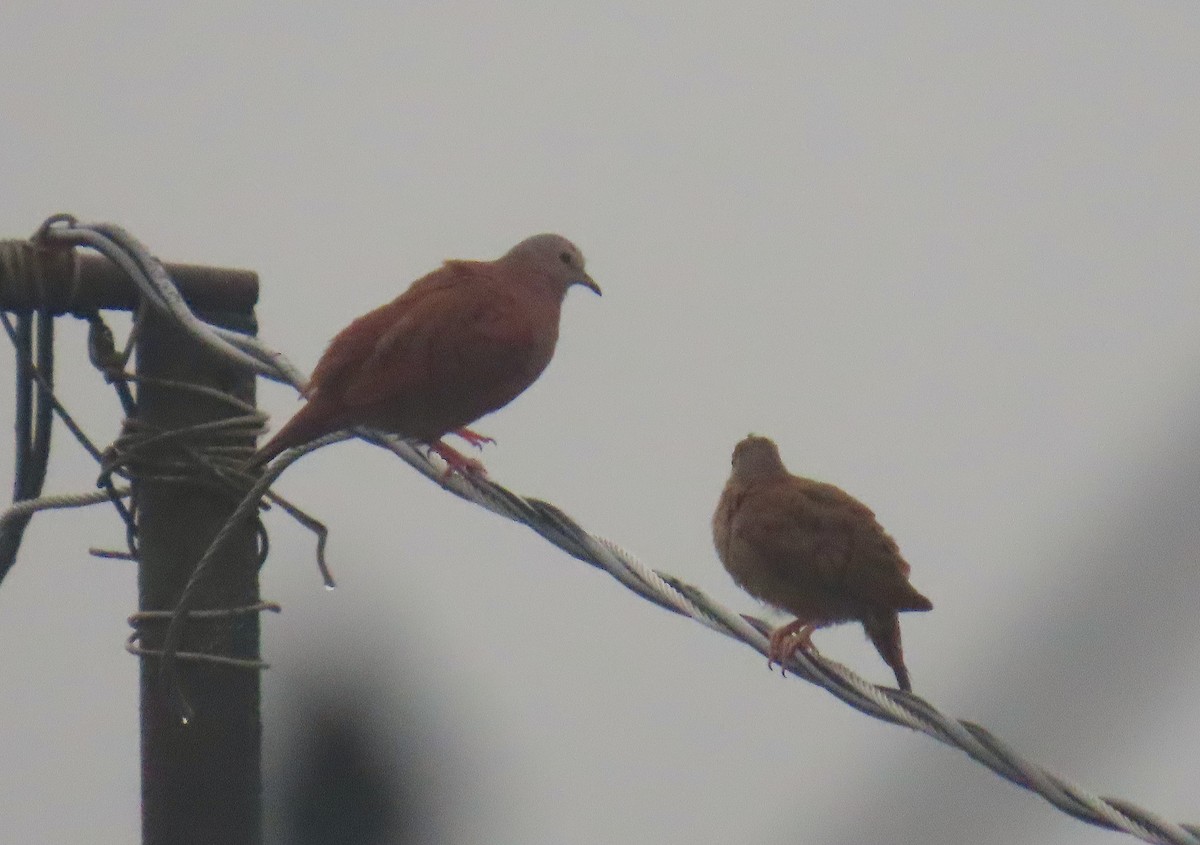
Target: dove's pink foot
{"x":787,"y":639}
{"x":474,"y":437}
{"x":456,"y":461}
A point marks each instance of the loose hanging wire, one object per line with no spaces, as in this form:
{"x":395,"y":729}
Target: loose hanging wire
{"x":34,"y":415}
{"x":883,"y":703}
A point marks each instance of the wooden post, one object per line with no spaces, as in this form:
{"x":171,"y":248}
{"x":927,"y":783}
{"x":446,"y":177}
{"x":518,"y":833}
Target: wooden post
{"x":201,"y":782}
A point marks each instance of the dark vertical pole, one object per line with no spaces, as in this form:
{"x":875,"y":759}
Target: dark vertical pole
{"x":201,"y":782}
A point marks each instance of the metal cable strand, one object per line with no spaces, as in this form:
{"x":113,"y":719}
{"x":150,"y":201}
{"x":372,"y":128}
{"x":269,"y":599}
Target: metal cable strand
{"x":884,"y":703}
{"x":47,"y":389}
{"x":156,"y":286}
{"x":28,"y":507}
{"x":34,"y":417}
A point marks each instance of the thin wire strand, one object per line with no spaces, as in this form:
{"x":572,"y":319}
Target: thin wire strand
{"x":28,"y":507}
{"x":884,"y":703}
{"x":33,"y":419}
{"x":138,"y":619}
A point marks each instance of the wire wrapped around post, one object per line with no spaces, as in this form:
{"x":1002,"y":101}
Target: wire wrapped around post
{"x":215,"y":762}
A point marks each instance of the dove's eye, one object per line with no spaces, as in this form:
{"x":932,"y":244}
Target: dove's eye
{"x":565,"y":257}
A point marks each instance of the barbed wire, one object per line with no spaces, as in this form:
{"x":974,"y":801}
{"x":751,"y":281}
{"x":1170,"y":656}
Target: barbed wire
{"x":884,"y":703}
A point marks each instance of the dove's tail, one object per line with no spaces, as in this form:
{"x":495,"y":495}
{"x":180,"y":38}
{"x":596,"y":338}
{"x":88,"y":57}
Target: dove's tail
{"x":912,"y":600}
{"x":313,"y":420}
{"x":883,"y":629}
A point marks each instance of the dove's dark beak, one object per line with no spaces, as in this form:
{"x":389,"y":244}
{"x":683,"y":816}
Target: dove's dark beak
{"x":588,"y":283}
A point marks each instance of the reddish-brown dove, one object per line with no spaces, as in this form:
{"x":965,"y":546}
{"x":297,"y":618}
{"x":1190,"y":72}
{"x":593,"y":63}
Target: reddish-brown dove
{"x":813,"y":550}
{"x":459,"y":343}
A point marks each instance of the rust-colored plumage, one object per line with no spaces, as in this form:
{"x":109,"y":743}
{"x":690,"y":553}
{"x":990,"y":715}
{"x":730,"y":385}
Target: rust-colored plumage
{"x":460,"y":343}
{"x":813,"y":550}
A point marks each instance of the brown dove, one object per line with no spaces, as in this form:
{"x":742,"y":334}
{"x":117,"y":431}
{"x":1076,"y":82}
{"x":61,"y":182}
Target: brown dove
{"x":813,"y":550}
{"x":461,"y":342}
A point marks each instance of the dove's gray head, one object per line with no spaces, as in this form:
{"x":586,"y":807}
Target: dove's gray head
{"x":757,"y":457}
{"x":552,"y":257}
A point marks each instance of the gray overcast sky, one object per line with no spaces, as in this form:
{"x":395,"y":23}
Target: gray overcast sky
{"x":946,"y":256}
